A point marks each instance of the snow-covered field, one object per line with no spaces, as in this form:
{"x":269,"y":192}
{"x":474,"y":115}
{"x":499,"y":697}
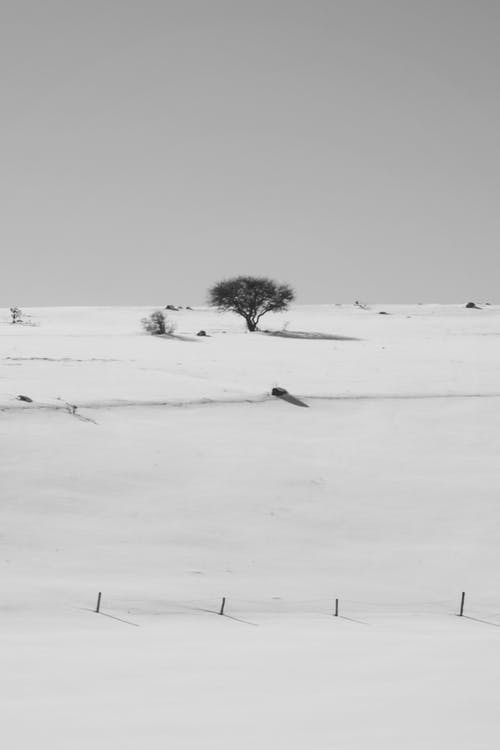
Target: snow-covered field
{"x":179,"y":480}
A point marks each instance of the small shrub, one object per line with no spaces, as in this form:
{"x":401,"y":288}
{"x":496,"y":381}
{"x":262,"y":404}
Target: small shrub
{"x":157,"y":324}
{"x":17,"y":315}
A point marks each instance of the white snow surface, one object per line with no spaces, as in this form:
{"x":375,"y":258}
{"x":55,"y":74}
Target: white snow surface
{"x":179,"y":480}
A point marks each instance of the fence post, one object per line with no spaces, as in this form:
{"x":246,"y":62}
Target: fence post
{"x":336,"y":608}
{"x":222,"y":605}
{"x":98,"y":607}
{"x":462,"y":604}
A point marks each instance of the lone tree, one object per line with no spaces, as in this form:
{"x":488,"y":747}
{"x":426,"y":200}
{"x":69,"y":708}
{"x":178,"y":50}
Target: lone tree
{"x":251,"y":297}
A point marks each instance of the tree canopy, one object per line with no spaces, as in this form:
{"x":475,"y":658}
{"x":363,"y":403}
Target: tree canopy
{"x":251,"y":297}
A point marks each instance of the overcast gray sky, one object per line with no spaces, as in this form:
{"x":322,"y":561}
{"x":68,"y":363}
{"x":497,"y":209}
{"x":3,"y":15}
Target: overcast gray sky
{"x":150,"y":148}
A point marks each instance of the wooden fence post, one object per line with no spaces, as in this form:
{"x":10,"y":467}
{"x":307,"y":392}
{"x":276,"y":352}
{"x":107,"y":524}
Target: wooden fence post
{"x":98,"y":607}
{"x":222,"y":605}
{"x":462,"y":604}
{"x":336,"y":607}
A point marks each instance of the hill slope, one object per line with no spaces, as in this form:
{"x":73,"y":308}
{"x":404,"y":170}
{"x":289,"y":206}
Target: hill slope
{"x":384,"y":492}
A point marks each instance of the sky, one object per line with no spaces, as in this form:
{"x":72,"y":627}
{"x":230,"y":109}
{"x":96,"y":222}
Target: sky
{"x":149,"y":149}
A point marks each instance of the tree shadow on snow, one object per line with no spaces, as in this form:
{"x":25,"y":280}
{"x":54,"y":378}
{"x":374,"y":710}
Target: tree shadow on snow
{"x":309,"y":335}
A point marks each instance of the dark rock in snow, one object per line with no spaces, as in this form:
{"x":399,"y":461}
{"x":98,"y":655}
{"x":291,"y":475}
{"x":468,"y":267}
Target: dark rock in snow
{"x":382,"y":312}
{"x":171,"y":307}
{"x":201,"y":333}
{"x":283,"y":394}
{"x":472,"y":306}
{"x":279,"y":392}
{"x":25,"y":398}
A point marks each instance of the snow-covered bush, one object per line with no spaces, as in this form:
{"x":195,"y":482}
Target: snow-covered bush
{"x":157,"y":324}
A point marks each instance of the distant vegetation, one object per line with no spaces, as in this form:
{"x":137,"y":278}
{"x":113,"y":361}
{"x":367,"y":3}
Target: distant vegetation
{"x":16,"y":315}
{"x":251,"y":297}
{"x":157,"y":324}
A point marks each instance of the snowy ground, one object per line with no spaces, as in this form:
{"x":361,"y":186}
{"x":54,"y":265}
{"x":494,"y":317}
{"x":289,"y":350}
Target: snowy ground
{"x":179,"y":481}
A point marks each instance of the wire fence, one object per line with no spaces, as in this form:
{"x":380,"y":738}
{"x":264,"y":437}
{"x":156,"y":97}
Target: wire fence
{"x":348,"y":609}
{"x":146,"y":607}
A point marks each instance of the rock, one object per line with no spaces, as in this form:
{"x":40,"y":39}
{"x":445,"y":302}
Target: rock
{"x":279,"y":392}
{"x":171,"y":307}
{"x":382,"y":312}
{"x":472,"y":306}
{"x":201,"y":333}
{"x":25,"y":398}
{"x":285,"y":396}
